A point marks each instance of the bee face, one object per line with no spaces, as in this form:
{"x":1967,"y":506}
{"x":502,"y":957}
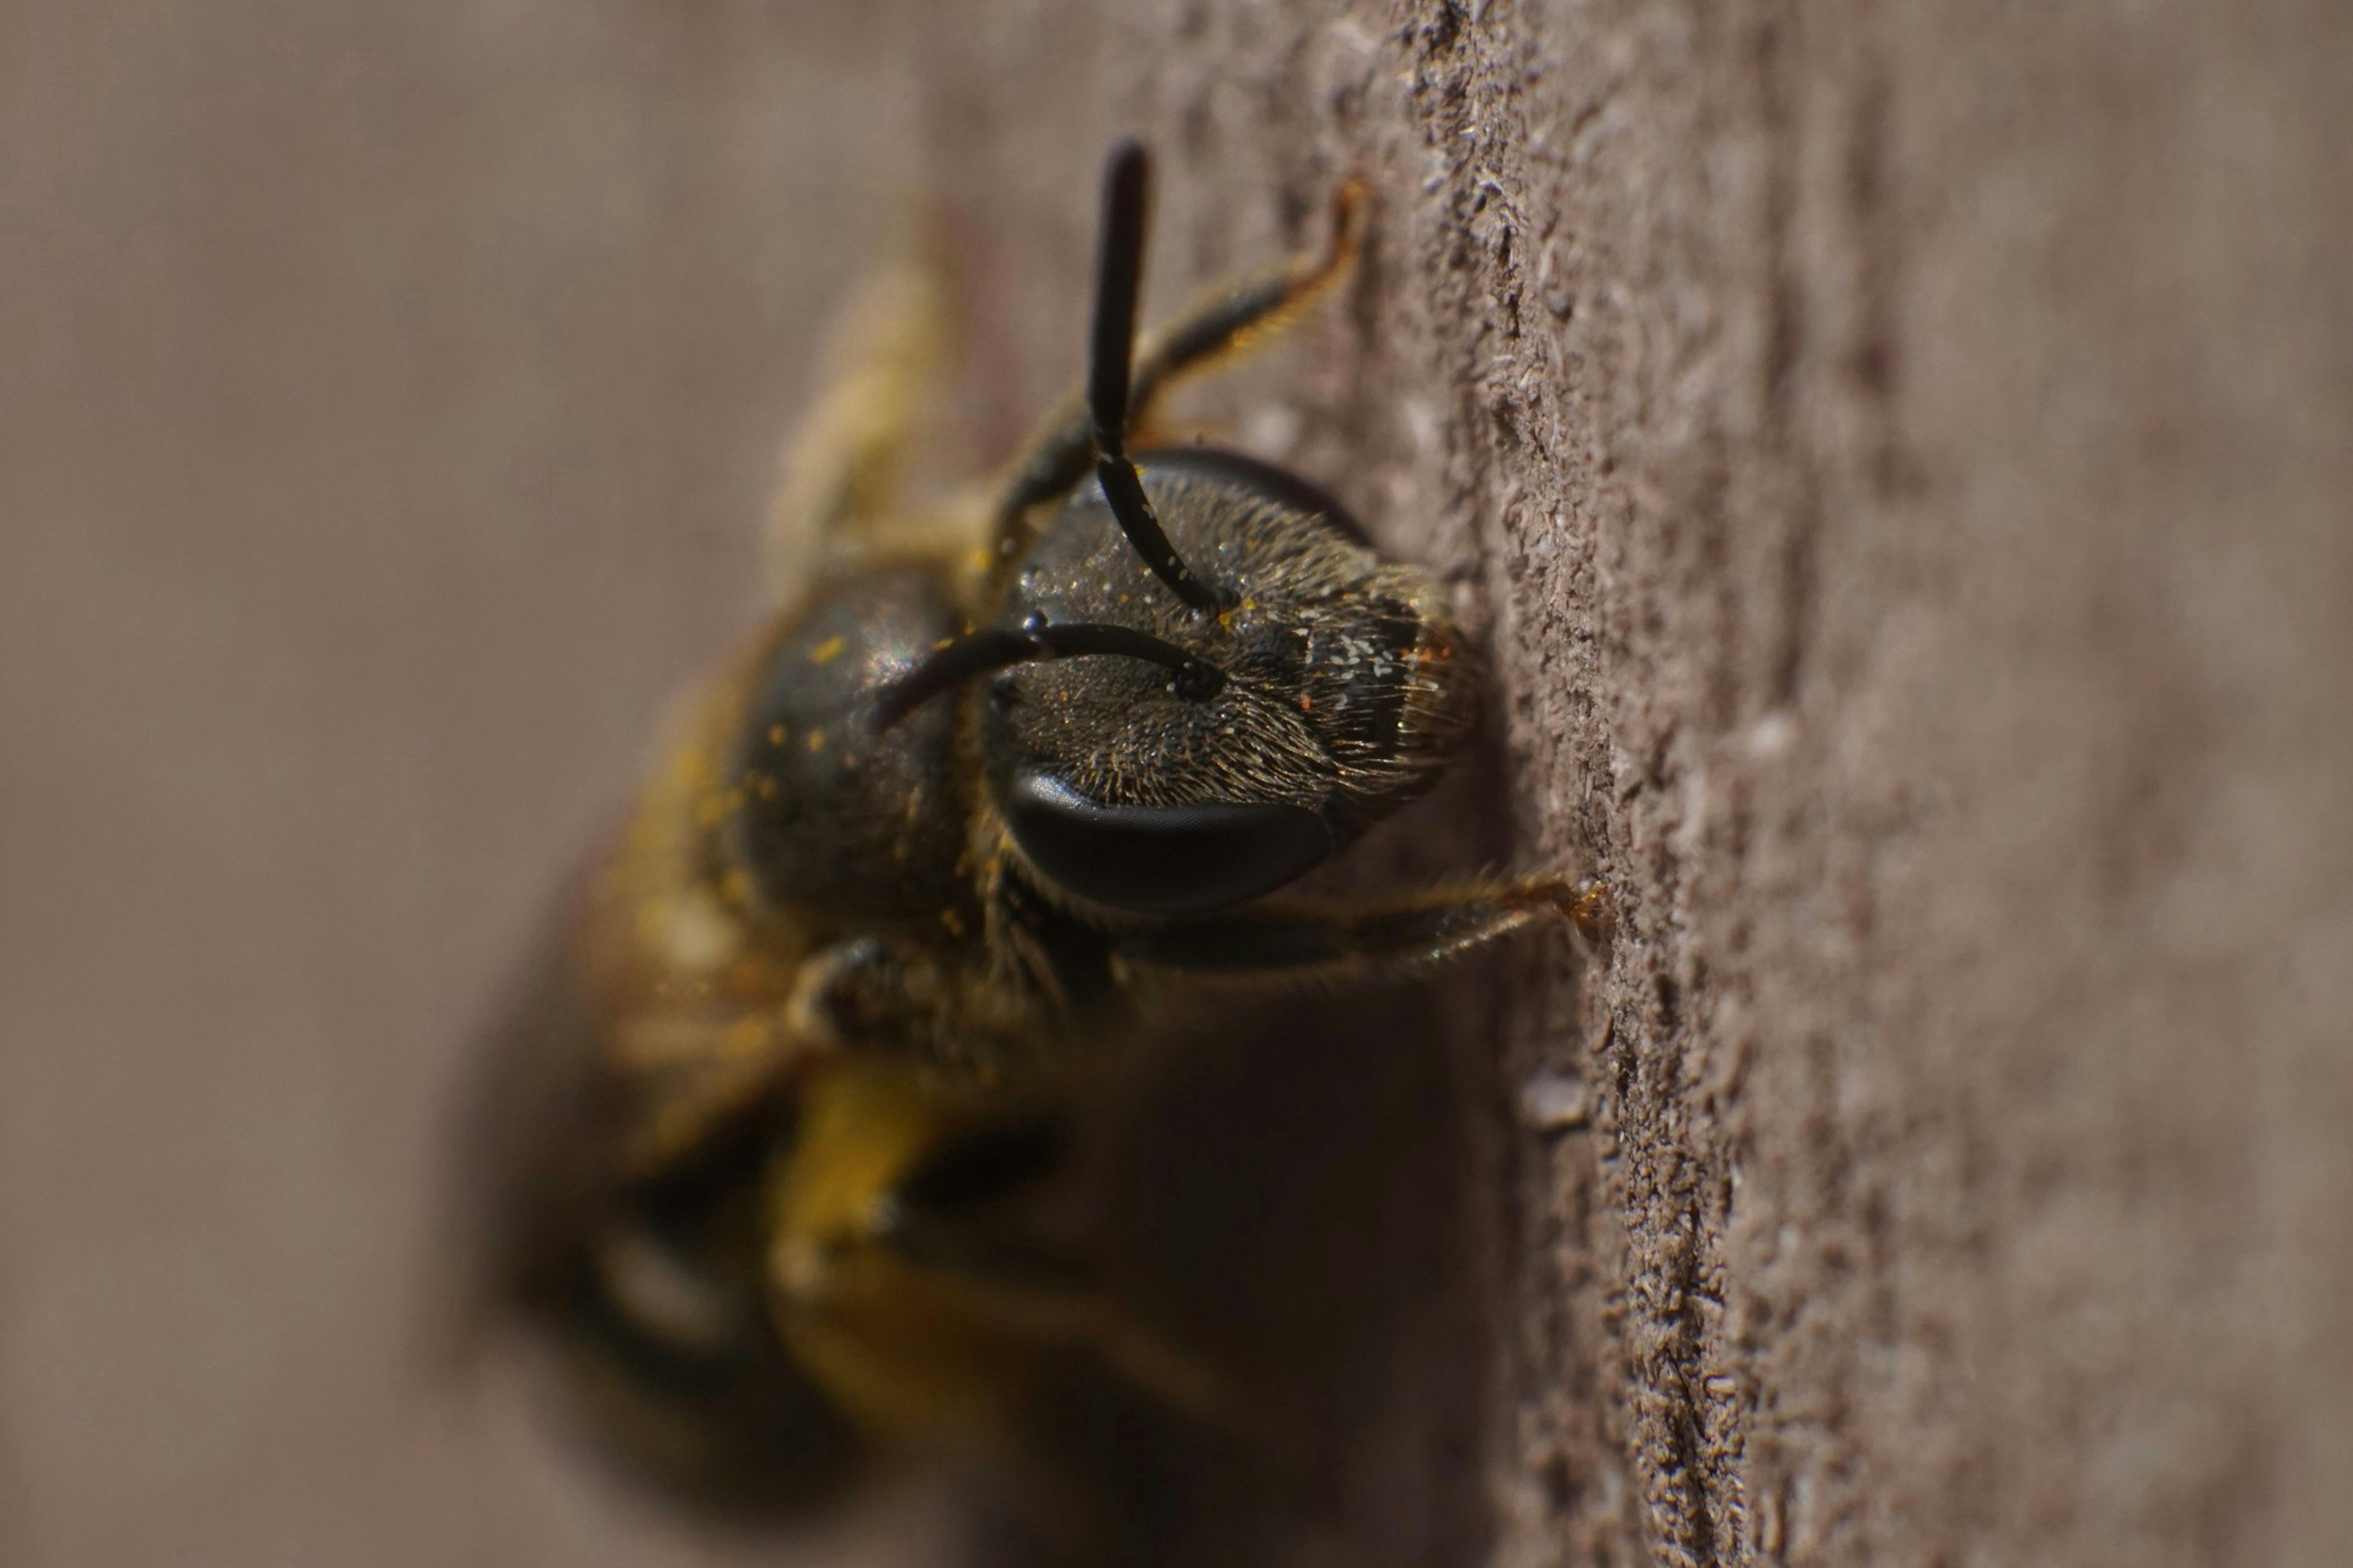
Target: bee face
{"x":1342,"y":691}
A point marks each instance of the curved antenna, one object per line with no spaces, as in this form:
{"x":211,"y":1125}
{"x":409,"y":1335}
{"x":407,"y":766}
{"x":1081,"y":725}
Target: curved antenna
{"x":993,"y":648}
{"x":1119,"y":275}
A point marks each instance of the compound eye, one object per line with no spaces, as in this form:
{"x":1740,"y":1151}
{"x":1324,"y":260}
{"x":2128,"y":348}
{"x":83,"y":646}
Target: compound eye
{"x":1162,"y":859}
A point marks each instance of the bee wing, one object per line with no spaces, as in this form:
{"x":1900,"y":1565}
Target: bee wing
{"x":837,"y":480}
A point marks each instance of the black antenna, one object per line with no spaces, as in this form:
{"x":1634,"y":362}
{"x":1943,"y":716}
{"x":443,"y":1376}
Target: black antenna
{"x":979,"y":653}
{"x":1119,"y":274}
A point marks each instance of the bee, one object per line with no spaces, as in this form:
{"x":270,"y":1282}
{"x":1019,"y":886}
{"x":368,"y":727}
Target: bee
{"x":983,"y":807}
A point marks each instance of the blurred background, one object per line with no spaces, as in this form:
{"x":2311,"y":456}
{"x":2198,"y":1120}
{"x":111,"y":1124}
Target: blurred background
{"x":390,"y":398}
{"x":390,"y":395}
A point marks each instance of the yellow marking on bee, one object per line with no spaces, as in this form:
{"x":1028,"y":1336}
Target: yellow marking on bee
{"x":1306,"y":703}
{"x":817,"y":741}
{"x":828,"y":650}
{"x":776,"y":735}
{"x":1250,"y":604}
{"x":954,"y":921}
{"x":765,"y":786}
{"x":694,"y":930}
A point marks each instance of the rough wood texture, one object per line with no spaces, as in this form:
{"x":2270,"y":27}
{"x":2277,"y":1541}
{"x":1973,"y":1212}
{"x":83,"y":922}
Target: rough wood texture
{"x":1899,"y":455}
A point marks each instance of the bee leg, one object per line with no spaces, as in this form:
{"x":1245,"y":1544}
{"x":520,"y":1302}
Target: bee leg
{"x":1223,"y":322}
{"x":955,"y":1215}
{"x":899,"y":1177}
{"x":1295,"y":945}
{"x":837,"y":477}
{"x":1035,"y":1292}
{"x":690,"y":1078}
{"x":865,"y":993}
{"x":671,"y":1102}
{"x":948,"y":1216}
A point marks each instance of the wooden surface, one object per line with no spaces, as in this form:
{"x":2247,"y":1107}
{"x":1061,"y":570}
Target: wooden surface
{"x":1897,"y":455}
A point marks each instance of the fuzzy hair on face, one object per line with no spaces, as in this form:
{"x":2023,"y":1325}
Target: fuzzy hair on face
{"x":1346,"y":684}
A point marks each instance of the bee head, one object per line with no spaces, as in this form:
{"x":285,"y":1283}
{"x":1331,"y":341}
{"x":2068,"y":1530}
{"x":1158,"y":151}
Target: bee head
{"x":1202,"y":681}
{"x":1327,"y":688}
